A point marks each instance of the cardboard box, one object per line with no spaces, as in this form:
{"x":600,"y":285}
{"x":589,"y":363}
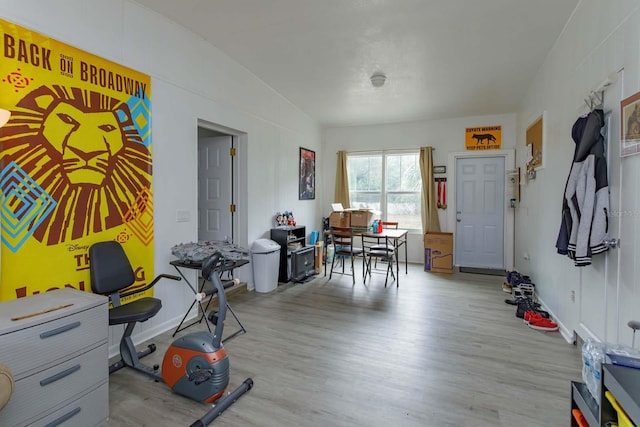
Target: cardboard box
{"x":438,"y":252}
{"x":361,"y":218}
{"x":340,"y":219}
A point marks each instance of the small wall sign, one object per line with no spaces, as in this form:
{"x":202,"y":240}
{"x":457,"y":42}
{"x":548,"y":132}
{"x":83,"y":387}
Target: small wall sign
{"x":483,"y":138}
{"x":439,"y":169}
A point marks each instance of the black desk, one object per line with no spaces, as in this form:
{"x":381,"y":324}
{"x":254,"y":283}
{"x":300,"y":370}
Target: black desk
{"x":228,"y":266}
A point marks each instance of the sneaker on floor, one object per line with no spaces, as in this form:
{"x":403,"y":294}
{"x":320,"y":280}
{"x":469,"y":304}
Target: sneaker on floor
{"x":506,"y":287}
{"x":532,"y":316}
{"x":526,"y":304}
{"x":524,"y":290}
{"x":544,"y":325}
{"x":515,"y":278}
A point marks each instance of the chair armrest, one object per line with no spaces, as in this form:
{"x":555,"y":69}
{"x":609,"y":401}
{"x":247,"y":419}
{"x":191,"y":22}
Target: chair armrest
{"x":150,"y":285}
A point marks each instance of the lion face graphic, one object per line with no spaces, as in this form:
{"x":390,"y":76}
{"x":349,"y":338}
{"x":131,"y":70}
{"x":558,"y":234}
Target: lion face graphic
{"x":81,"y":150}
{"x":86,"y":140}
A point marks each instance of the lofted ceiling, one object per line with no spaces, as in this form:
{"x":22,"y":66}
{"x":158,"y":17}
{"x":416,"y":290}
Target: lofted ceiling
{"x":442,"y":58}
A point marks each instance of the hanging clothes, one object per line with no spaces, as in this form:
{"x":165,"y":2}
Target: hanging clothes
{"x":585,"y":206}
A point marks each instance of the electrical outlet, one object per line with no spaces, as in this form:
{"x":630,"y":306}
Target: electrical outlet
{"x":183,"y":216}
{"x":572,"y":296}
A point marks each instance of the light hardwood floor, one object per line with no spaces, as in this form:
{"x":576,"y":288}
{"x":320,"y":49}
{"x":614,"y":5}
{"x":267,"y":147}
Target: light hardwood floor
{"x":440,"y":350}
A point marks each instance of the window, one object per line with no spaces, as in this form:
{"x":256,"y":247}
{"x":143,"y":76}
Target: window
{"x":389,"y":182}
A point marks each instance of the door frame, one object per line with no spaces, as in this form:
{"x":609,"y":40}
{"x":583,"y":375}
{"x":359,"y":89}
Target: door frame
{"x":239,"y":182}
{"x":509,"y":213}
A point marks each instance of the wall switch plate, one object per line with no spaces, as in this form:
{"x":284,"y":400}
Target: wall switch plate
{"x":183,"y":216}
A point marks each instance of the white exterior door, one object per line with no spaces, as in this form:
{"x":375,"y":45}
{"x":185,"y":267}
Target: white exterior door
{"x":215,"y":188}
{"x":479,"y":237}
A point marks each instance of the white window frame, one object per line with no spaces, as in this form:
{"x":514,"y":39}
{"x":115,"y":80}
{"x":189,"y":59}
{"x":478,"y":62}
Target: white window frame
{"x":384,"y":194}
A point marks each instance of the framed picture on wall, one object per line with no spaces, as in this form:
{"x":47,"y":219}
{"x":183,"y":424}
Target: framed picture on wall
{"x":630,"y":126}
{"x":536,"y":136}
{"x":307,"y":176}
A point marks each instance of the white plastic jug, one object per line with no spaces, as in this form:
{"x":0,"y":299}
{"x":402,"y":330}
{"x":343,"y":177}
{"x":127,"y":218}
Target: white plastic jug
{"x":330,"y":251}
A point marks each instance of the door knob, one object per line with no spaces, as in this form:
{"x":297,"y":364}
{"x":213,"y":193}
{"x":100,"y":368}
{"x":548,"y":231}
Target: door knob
{"x":458,"y":217}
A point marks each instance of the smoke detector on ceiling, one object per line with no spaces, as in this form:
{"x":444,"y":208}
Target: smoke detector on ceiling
{"x":378,"y":78}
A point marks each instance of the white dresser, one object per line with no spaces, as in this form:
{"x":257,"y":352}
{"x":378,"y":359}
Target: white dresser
{"x":58,"y":359}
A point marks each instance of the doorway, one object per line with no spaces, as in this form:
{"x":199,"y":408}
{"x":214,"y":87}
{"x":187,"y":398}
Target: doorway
{"x":505,"y":160}
{"x":216,"y":184}
{"x":479,"y":235}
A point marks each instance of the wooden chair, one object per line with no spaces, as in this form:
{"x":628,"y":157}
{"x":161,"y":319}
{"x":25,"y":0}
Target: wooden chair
{"x":373,"y":250}
{"x":342,"y":239}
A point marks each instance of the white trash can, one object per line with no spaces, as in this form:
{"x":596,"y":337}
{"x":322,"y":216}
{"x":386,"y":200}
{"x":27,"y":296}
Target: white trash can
{"x":265,"y":258}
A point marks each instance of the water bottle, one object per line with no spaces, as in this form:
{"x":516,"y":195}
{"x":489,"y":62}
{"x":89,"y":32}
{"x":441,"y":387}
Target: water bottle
{"x":330,"y":253}
{"x":374,"y":227}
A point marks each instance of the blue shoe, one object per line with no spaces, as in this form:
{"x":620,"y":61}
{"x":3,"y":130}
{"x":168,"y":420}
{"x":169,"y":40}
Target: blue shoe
{"x":515,"y":278}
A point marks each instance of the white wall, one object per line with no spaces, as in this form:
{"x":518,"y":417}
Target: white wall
{"x":602,"y":37}
{"x":446,"y":136}
{"x":191,"y":80}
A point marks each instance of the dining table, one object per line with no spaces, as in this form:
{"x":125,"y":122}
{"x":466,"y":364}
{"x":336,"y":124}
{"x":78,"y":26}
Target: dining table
{"x":395,"y":236}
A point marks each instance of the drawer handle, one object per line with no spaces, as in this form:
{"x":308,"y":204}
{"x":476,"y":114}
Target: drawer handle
{"x":59,"y":330}
{"x":59,"y":375}
{"x":64,"y":418}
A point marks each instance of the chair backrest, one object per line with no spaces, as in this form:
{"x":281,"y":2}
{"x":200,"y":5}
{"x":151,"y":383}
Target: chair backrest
{"x":109,"y":268}
{"x":390,"y":224}
{"x":342,"y":236}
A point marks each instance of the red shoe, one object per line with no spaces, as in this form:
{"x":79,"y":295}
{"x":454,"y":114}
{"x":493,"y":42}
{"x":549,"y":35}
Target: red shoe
{"x":543,"y":325}
{"x":531,"y":316}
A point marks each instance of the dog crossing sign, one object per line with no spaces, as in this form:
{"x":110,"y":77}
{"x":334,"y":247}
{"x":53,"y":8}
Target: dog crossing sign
{"x":483,"y":138}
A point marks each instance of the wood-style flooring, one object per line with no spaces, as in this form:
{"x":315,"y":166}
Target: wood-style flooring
{"x":440,"y":350}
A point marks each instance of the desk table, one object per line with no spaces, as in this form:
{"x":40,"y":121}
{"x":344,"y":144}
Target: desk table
{"x":228,"y":265}
{"x":397,"y":236}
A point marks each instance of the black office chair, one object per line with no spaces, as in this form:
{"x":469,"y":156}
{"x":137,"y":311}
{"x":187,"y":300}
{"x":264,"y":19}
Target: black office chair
{"x":111,"y":274}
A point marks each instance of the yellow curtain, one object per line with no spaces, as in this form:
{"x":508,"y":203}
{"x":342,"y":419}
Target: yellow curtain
{"x":341,"y":194}
{"x":430,"y":221}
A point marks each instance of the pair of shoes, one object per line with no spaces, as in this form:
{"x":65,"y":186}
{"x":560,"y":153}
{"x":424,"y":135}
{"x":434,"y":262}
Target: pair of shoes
{"x":532,"y":316}
{"x":524,"y":290}
{"x":526,"y":304}
{"x":515,"y":278}
{"x":543,"y":324}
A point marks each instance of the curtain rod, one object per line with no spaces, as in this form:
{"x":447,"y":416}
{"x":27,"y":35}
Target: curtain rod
{"x":378,"y":151}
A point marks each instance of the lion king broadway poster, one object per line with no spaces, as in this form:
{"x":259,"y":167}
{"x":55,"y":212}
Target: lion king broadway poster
{"x":75,"y":164}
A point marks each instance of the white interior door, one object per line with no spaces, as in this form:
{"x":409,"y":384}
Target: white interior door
{"x":215,"y":188}
{"x":599,"y":292}
{"x":479,"y":236}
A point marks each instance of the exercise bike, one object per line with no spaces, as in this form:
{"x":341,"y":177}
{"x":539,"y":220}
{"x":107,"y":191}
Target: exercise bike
{"x":195,"y":365}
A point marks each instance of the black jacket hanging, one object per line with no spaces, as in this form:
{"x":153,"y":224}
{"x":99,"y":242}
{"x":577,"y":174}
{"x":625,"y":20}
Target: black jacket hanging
{"x":585,"y":205}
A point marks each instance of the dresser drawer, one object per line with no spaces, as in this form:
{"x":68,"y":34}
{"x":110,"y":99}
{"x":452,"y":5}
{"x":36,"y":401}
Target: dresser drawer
{"x":36,"y":395}
{"x":32,"y":349}
{"x":90,"y":410}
